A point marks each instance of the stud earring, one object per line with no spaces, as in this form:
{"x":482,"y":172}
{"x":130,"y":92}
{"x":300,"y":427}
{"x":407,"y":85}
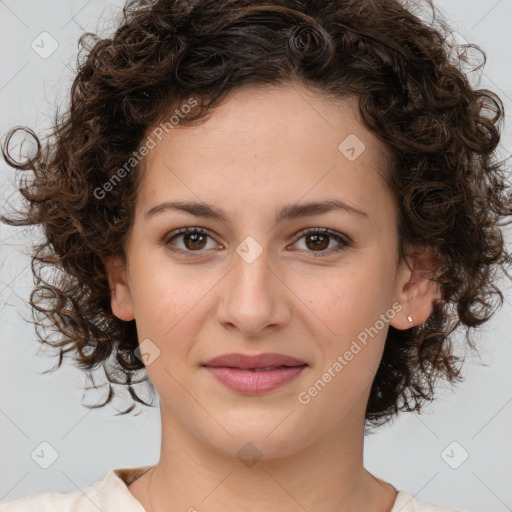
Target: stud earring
{"x":410,"y":319}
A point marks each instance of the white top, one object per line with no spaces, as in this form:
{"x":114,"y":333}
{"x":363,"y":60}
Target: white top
{"x":112,"y":495}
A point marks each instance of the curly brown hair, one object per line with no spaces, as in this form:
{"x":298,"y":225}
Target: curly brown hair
{"x":414,"y":95}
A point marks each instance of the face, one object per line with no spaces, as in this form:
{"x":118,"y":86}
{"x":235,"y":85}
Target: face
{"x":255,"y":281}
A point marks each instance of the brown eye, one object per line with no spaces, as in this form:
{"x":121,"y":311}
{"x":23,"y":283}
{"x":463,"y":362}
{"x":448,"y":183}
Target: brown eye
{"x":193,"y":239}
{"x":318,"y":240}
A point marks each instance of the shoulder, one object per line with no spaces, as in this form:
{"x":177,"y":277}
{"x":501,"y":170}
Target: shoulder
{"x":108,"y":495}
{"x":76,"y":501}
{"x":406,"y":503}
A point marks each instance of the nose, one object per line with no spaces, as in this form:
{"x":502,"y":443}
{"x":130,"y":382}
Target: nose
{"x":254,"y":298}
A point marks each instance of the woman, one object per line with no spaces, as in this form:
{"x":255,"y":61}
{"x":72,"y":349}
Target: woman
{"x":278,"y":212}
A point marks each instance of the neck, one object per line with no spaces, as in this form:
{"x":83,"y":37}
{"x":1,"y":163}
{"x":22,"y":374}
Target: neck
{"x":326,"y":476}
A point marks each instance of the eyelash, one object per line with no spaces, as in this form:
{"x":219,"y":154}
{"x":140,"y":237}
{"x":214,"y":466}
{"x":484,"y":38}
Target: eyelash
{"x":343,"y":241}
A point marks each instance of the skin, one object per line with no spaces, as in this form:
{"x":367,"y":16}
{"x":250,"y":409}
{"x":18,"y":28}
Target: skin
{"x":262,"y":149}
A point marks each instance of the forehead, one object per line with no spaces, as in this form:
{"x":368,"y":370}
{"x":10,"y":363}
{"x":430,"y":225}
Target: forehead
{"x":275,"y":114}
{"x":280,"y":141}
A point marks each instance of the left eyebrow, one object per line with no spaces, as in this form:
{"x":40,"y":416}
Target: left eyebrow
{"x":287,"y":212}
{"x":295,"y":211}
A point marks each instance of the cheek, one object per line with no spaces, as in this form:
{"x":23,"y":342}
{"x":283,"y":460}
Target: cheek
{"x":352,"y":352}
{"x":354,"y":307}
{"x":170,"y":304}
{"x":351,"y":299}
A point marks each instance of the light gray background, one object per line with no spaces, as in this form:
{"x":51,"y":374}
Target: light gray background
{"x":411,"y":453}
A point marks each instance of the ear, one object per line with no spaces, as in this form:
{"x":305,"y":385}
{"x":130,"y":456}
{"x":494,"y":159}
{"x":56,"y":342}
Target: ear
{"x":415,"y":291}
{"x":120,"y":296}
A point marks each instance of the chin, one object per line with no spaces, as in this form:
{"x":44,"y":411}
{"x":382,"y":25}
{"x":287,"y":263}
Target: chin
{"x":251,"y":444}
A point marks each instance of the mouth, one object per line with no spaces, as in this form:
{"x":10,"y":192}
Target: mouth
{"x":255,"y":374}
{"x":259,"y":362}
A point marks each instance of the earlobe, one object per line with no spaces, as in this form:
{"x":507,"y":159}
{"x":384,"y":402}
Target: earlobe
{"x":416,"y":290}
{"x":120,"y":295}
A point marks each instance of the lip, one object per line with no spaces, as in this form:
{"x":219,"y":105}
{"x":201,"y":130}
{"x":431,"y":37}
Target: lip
{"x":245,"y":362}
{"x":247,"y":374}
